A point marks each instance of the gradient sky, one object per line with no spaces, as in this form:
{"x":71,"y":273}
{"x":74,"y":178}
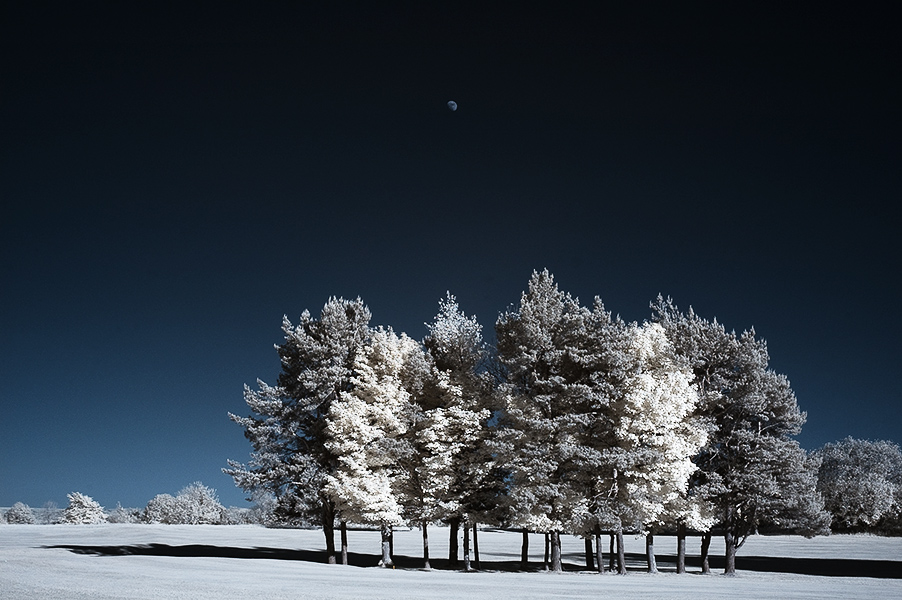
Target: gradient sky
{"x":175,"y":181}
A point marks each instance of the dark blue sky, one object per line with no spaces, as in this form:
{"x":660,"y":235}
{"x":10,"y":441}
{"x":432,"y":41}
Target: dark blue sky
{"x":175,"y":181}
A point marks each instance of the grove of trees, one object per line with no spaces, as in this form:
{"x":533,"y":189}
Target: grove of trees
{"x":576,"y":422}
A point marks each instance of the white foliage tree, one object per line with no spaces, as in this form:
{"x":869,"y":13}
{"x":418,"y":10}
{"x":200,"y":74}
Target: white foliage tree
{"x":751,"y":469}
{"x":20,"y":514}
{"x":290,"y":458}
{"x":657,"y":435}
{"x":541,"y":348}
{"x":162,"y":508}
{"x":861,"y":482}
{"x":363,"y":428}
{"x":198,"y":504}
{"x":83,"y":510}
{"x":454,"y":476}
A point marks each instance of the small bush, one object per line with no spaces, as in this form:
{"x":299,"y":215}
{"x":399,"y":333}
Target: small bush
{"x":124,"y":515}
{"x":20,"y":514}
{"x":162,"y":508}
{"x":82,"y":510}
{"x":195,"y":504}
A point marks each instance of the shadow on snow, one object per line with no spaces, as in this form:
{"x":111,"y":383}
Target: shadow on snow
{"x":832,"y":567}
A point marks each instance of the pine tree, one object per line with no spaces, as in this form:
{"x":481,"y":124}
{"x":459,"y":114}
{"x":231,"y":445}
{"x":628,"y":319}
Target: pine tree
{"x":751,"y":469}
{"x":291,"y":459}
{"x":455,"y":402}
{"x":364,"y":427}
{"x":540,"y":347}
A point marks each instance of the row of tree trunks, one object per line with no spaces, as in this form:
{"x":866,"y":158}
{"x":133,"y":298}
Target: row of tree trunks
{"x":552,"y":559}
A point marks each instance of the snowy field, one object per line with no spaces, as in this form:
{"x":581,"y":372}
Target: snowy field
{"x":200,"y":562}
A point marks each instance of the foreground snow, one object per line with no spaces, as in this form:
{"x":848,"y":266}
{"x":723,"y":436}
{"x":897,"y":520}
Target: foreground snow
{"x":198,"y":562}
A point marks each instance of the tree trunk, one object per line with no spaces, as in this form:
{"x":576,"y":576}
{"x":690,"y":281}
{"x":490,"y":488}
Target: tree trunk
{"x":556,"y":565}
{"x":426,"y":546}
{"x":547,"y":551}
{"x":454,"y":526}
{"x":391,"y":540}
{"x":590,"y":554}
{"x":344,"y":543}
{"x":650,"y":553}
{"x":681,"y":548}
{"x":466,"y":546}
{"x":599,"y":558}
{"x":729,"y":554}
{"x":706,"y":545}
{"x":386,"y":546}
{"x":621,"y":556}
{"x":475,"y":548}
{"x":329,"y":530}
{"x":611,"y":552}
{"x":524,"y":551}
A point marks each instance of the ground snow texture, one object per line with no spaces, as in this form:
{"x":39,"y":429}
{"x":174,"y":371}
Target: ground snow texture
{"x":213,"y":562}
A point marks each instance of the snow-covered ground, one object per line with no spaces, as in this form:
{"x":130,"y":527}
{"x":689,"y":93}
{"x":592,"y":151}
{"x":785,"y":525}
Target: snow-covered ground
{"x":199,"y":562}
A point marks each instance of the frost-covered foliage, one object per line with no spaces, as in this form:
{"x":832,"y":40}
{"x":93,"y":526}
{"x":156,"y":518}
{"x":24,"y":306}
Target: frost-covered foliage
{"x":195,"y":504}
{"x":20,"y":514}
{"x":290,"y":459}
{"x":656,"y":435}
{"x":363,"y":427}
{"x":125,"y":515}
{"x":540,"y":346}
{"x":861,"y":482}
{"x":162,"y":508}
{"x":83,"y":510}
{"x":199,"y":505}
{"x":751,"y":469}
{"x":453,"y":474}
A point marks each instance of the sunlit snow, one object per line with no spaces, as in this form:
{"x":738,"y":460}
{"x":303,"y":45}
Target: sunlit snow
{"x":93,"y":561}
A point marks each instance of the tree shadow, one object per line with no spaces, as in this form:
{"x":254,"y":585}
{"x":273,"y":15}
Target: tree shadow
{"x":829,"y":567}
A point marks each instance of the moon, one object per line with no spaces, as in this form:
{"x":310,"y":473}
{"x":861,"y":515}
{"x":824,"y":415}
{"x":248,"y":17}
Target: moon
{"x":452,"y":105}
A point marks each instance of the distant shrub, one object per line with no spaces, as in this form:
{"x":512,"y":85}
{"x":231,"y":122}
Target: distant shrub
{"x":162,"y":508}
{"x":83,"y":510}
{"x":124,"y":515}
{"x":199,"y":505}
{"x":234,"y":515}
{"x":50,"y":513}
{"x":20,"y":514}
{"x":195,"y":504}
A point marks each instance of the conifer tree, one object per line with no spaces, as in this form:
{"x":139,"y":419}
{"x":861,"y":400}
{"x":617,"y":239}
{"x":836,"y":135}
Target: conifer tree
{"x":540,"y":346}
{"x":751,"y":468}
{"x":364,"y":428}
{"x":457,"y":401}
{"x":291,"y":459}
